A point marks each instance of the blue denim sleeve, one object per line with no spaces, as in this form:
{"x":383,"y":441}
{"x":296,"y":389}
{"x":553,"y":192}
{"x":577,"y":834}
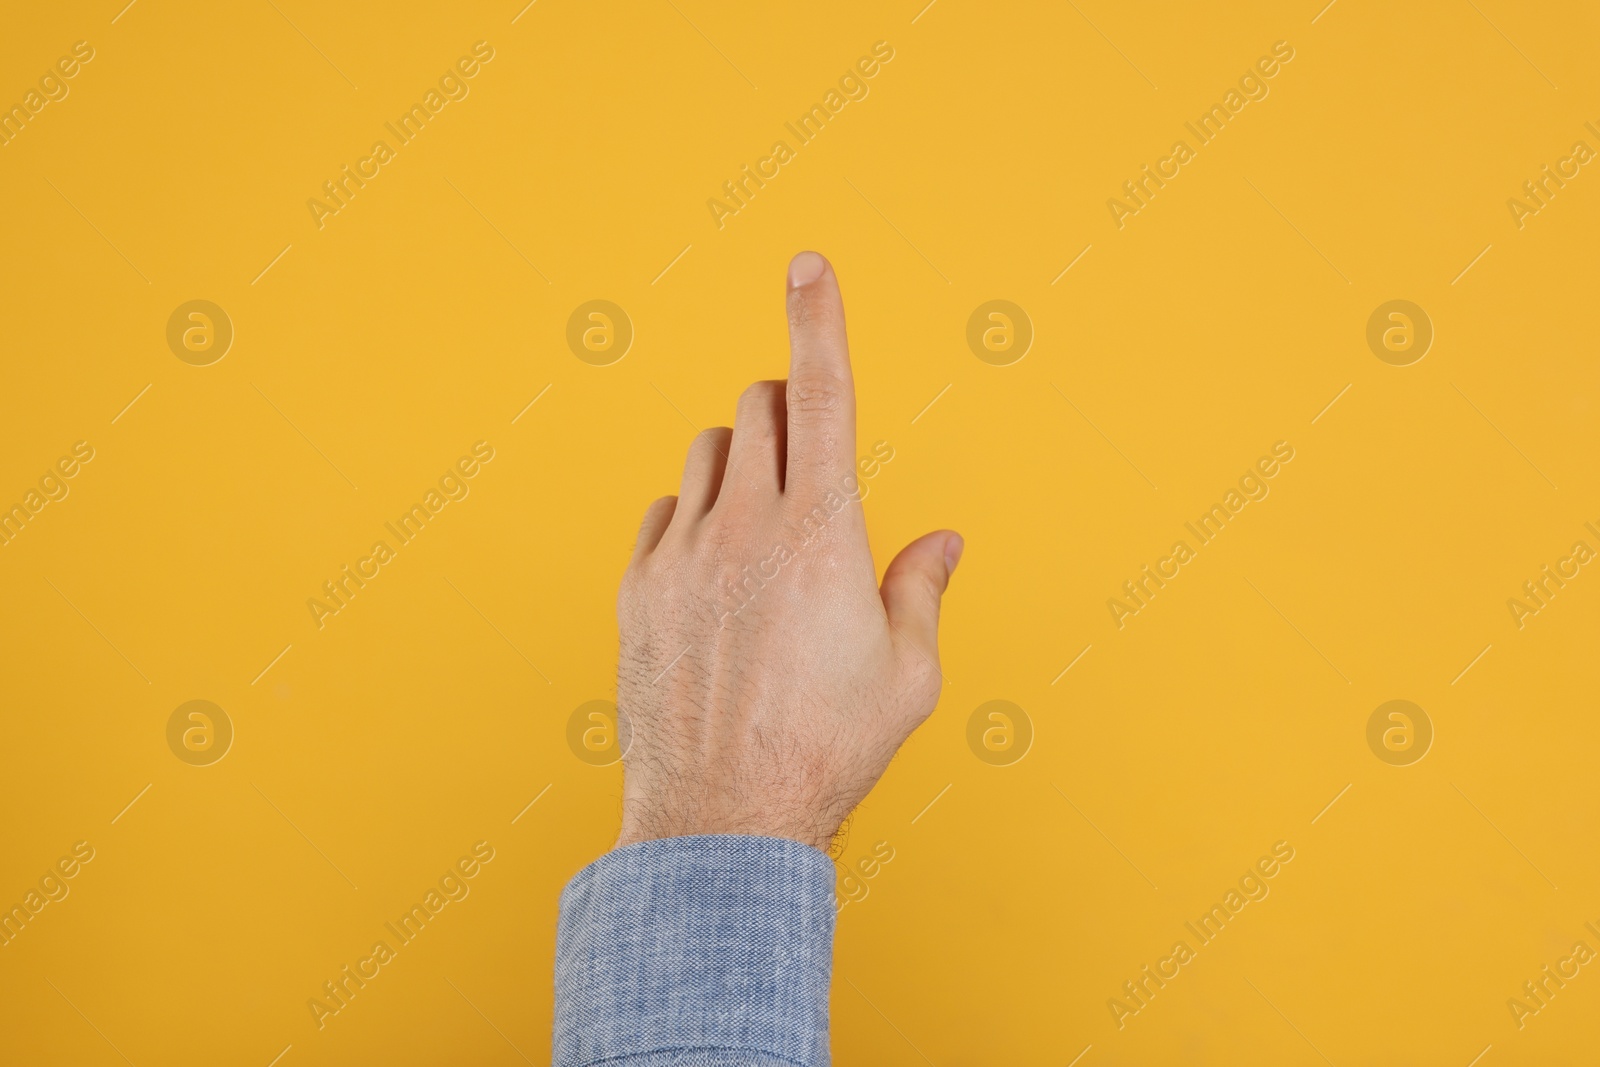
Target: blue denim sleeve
{"x":688,"y":951}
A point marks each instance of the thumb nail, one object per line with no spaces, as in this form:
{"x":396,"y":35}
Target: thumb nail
{"x":953,"y":547}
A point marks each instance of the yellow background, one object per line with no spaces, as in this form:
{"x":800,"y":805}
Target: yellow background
{"x":427,"y":314}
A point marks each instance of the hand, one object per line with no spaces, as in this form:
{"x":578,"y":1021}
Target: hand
{"x":765,"y":680}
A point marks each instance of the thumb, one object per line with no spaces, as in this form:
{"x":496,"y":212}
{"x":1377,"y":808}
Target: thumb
{"x":914,"y":584}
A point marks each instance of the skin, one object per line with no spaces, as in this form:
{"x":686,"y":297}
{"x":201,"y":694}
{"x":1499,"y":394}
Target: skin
{"x":773,"y":711}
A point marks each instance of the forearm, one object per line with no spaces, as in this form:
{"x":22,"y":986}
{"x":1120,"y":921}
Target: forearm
{"x":705,"y":950}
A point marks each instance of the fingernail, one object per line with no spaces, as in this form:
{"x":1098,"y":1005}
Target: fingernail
{"x":805,"y":268}
{"x":953,"y":547}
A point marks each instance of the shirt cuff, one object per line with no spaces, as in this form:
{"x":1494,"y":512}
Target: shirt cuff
{"x":705,"y":944}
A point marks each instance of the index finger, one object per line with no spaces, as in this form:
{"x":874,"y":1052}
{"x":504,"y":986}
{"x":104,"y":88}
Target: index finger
{"x":821,"y":395}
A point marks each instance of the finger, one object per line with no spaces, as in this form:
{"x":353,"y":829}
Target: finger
{"x":656,"y":518}
{"x":758,"y":438}
{"x":821,"y":395}
{"x":702,"y":472}
{"x":914,"y":585}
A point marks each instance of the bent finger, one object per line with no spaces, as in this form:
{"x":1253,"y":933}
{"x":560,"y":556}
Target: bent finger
{"x":656,"y":519}
{"x":759,"y":437}
{"x":703,"y":471}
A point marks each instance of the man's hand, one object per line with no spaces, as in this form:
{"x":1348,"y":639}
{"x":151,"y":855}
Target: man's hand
{"x":765,"y":679}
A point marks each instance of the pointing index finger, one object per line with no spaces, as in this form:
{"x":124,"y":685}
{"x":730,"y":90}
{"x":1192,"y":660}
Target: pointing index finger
{"x":821,"y":397}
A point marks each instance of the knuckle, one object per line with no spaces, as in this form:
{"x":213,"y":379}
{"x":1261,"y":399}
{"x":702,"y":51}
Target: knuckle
{"x":816,"y":395}
{"x":758,"y":394}
{"x":713,"y":441}
{"x":760,"y":411}
{"x":659,"y":508}
{"x":925,"y":698}
{"x":727,"y":530}
{"x":631,"y":590}
{"x":923,"y":680}
{"x":710,"y":438}
{"x":756,"y":419}
{"x":932,"y":590}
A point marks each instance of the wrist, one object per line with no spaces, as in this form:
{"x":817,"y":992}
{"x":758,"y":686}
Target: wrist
{"x":638,"y":828}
